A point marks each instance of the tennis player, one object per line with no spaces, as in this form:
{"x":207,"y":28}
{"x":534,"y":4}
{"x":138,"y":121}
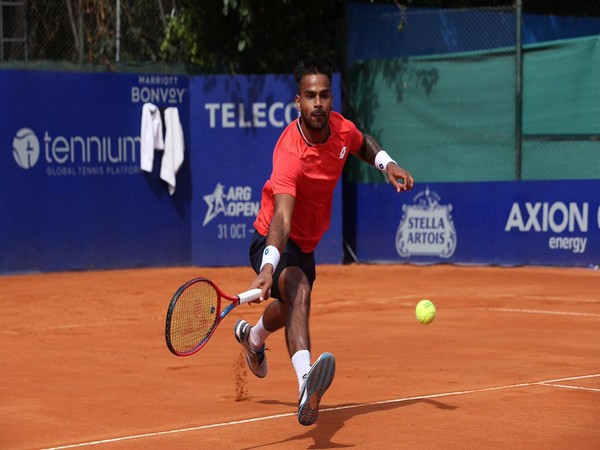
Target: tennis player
{"x":294,"y":214}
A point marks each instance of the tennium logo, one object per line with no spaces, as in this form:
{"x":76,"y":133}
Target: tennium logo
{"x":26,"y":148}
{"x":77,"y":155}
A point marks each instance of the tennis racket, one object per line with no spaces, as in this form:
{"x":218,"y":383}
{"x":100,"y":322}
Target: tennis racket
{"x":195,"y":311}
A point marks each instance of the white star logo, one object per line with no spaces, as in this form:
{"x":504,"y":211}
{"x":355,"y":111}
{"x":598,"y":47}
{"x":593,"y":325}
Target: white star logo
{"x":215,"y":203}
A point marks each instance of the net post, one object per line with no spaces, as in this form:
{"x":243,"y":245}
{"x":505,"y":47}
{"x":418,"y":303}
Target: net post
{"x":518,"y":89}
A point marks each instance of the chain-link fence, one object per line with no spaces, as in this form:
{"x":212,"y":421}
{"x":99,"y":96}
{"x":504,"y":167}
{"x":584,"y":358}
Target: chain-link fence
{"x":440,"y":93}
{"x":561,"y":110}
{"x":438,"y":86}
{"x":455,"y":96}
{"x":82,"y":32}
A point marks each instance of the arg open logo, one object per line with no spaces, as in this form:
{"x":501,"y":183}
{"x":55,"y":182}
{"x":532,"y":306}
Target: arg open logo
{"x":26,"y":148}
{"x":234,"y":201}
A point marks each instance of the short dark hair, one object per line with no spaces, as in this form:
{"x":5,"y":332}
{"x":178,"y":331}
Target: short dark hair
{"x":311,"y":67}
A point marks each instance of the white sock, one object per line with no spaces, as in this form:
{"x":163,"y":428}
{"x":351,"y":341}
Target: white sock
{"x":301,"y":363}
{"x":258,"y":335}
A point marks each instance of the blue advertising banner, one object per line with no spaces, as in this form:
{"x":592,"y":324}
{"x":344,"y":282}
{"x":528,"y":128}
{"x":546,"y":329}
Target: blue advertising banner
{"x":505,"y":223}
{"x":235,"y":123}
{"x":73,"y":195}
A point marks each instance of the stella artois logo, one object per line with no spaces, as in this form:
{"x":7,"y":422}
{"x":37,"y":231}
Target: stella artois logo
{"x":426,"y":228}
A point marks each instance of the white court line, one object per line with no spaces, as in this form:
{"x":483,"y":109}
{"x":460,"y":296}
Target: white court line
{"x":560,"y":299}
{"x":414,"y":298}
{"x":33,"y":329}
{"x":337,"y":408}
{"x":566,"y":386}
{"x":501,"y":296}
{"x":541,"y":311}
{"x":554,"y":383}
{"x":556,"y":298}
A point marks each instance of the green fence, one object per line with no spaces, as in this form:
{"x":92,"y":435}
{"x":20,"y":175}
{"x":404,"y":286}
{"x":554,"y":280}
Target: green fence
{"x":561,"y":110}
{"x":457,"y":117}
{"x":449,"y":118}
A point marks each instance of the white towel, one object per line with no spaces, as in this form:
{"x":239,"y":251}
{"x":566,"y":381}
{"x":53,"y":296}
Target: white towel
{"x":151,"y":135}
{"x":174,"y":148}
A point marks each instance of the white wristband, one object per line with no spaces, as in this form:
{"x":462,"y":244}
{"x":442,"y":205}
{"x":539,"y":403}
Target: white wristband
{"x":270,"y":256}
{"x":382,"y":159}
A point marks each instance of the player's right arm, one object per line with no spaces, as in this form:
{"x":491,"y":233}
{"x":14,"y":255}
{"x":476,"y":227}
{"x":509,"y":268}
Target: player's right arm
{"x":279,"y":232}
{"x":400,"y":178}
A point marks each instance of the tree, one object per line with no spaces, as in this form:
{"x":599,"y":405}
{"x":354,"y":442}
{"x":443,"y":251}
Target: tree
{"x":226,"y":36}
{"x":245,"y":36}
{"x":85,"y":31}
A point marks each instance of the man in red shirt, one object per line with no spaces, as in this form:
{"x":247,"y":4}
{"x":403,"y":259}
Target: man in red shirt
{"x":295,"y":213}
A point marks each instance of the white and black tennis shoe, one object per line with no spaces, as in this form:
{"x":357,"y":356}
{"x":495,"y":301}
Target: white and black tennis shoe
{"x":315,"y":384}
{"x":256,"y":359}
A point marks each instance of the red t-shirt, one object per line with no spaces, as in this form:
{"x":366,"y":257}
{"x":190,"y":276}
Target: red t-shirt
{"x":310,"y":173}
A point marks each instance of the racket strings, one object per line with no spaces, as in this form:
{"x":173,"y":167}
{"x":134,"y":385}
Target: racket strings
{"x":194,"y":317}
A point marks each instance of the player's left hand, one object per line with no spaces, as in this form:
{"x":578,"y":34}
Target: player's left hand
{"x":400,"y":178}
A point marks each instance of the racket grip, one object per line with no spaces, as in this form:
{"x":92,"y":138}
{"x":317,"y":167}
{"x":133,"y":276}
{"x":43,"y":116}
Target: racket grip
{"x":249,"y":296}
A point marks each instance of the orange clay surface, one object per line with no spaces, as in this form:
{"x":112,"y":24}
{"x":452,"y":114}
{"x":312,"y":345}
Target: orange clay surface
{"x":512,"y":360}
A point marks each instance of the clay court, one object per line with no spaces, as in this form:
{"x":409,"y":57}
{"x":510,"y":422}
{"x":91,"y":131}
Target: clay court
{"x":511,"y":360}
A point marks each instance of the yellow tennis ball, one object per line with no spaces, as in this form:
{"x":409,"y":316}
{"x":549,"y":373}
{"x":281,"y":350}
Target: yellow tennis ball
{"x":425,"y":312}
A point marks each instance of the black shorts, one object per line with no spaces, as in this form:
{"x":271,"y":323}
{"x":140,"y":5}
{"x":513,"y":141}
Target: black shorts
{"x":291,"y":256}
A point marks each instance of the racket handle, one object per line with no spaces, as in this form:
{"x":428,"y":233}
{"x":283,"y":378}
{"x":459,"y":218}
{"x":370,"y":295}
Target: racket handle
{"x":249,"y":296}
